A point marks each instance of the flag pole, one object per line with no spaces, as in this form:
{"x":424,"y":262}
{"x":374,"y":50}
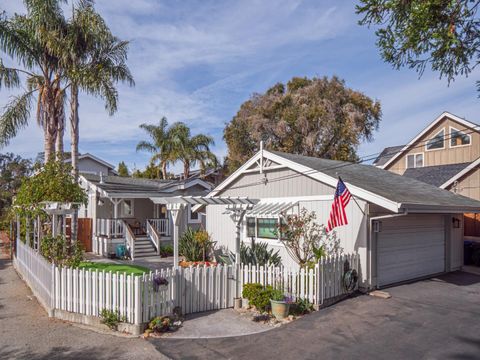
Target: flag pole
{"x":353,"y":197}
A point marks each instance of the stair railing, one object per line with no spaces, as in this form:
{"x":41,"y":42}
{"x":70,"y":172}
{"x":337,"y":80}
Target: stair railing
{"x":153,"y":236}
{"x":130,"y":240}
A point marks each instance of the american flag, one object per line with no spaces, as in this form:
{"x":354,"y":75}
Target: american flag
{"x":338,"y":217}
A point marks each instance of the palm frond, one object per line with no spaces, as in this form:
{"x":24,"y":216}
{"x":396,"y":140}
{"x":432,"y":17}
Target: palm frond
{"x":9,"y":78}
{"x":15,"y":117}
{"x":146,"y":146}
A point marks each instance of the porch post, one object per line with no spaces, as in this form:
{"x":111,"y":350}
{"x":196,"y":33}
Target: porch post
{"x":237,"y":217}
{"x":177,"y":212}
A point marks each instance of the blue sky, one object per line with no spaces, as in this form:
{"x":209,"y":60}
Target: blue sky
{"x":198,"y":61}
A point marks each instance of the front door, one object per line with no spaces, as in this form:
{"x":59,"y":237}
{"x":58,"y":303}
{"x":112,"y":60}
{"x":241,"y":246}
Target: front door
{"x":85,"y":233}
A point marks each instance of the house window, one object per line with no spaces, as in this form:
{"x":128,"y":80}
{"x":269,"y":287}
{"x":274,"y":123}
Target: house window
{"x":267,"y":228}
{"x":250,"y":227}
{"x":459,"y":138}
{"x":127,"y":208}
{"x":193,"y":217}
{"x":437,"y":142}
{"x":414,"y":160}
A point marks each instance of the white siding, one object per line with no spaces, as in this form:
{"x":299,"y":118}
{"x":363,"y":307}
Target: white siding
{"x":353,"y":236}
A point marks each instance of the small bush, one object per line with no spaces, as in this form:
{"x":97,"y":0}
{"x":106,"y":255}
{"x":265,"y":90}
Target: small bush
{"x":258,"y":296}
{"x":277,"y":295}
{"x":195,"y":245}
{"x":166,"y":250}
{"x":258,"y":254}
{"x":301,"y":307}
{"x":251,"y":290}
{"x":59,"y":251}
{"x":110,"y":318}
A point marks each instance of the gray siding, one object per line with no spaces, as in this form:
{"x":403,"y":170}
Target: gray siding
{"x":281,"y":183}
{"x":90,"y":166}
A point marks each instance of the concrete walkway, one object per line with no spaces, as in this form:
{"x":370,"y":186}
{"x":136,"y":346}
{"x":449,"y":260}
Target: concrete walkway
{"x":27,"y":333}
{"x":218,"y":324}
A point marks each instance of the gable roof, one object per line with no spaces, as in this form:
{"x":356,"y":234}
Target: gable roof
{"x":451,"y":116}
{"x":128,"y":187}
{"x":386,"y":189}
{"x":94,"y":158}
{"x":387,"y":154}
{"x":435,"y":175}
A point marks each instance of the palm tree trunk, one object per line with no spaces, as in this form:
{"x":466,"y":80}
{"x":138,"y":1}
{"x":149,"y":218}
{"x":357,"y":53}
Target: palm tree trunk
{"x":186,"y":169}
{"x":164,"y":170}
{"x":59,"y":140}
{"x":74,"y":134}
{"x":48,"y":143}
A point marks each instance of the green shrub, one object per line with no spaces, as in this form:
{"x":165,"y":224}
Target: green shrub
{"x":258,"y":254}
{"x":195,"y":246}
{"x":61,"y":252}
{"x":166,"y":250}
{"x":110,"y":318}
{"x":251,"y":290}
{"x":258,"y":295}
{"x":301,"y":307}
{"x":277,"y":295}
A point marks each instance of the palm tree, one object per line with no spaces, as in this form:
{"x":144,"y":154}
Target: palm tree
{"x":94,"y":62}
{"x":26,"y":39}
{"x":160,"y":145}
{"x":190,"y":150}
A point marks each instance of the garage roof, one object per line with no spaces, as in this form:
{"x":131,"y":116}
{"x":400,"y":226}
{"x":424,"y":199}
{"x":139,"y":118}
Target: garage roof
{"x":407,"y":192}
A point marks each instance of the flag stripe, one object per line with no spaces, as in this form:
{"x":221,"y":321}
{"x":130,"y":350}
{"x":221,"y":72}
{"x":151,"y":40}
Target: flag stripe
{"x":338,"y":215}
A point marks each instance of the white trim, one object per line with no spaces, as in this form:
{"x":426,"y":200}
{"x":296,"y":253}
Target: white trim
{"x":450,"y":138}
{"x":415,"y":160}
{"x":93,"y":157}
{"x":455,"y":118}
{"x":198,"y":220}
{"x":312,"y":173}
{"x":433,"y":138}
{"x":460,"y":174}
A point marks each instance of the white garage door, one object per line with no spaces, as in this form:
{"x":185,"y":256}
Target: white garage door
{"x":410,"y":247}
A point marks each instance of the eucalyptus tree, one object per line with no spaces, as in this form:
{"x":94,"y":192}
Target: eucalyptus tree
{"x":27,"y":39}
{"x":160,"y":144}
{"x":189,"y":149}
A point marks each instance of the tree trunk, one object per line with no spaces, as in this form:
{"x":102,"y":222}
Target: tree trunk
{"x":74,"y":135}
{"x":186,"y":169}
{"x":59,"y":140}
{"x":49,"y":141}
{"x":164,"y":170}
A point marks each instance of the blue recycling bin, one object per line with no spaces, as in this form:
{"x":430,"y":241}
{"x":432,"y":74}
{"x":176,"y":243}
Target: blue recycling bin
{"x":120,"y":251}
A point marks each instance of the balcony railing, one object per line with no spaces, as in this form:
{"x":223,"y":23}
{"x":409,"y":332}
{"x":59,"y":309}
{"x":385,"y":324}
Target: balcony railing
{"x":161,"y":226}
{"x":110,"y":228}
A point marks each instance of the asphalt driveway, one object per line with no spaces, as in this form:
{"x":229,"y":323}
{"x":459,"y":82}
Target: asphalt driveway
{"x":431,"y":319}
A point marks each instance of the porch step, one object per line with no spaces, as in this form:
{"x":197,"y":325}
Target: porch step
{"x":144,"y":247}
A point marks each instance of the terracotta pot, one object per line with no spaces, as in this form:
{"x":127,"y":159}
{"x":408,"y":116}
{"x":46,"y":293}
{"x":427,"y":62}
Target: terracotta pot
{"x":280,"y":309}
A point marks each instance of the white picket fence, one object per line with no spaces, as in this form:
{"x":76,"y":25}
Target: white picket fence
{"x":36,"y":271}
{"x":194,"y":289}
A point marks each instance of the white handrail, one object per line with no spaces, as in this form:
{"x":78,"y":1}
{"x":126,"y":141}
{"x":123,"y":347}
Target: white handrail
{"x":162,"y":226}
{"x":153,"y":235}
{"x":130,"y":240}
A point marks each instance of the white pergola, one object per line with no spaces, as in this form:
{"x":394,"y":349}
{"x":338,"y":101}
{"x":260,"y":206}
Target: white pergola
{"x":176,"y":205}
{"x":236,"y":207}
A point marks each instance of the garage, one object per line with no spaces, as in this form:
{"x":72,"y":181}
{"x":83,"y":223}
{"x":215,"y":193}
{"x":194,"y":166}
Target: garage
{"x":410,"y":247}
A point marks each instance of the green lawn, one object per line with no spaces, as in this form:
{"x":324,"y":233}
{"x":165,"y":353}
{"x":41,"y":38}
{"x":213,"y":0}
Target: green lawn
{"x":122,"y":268}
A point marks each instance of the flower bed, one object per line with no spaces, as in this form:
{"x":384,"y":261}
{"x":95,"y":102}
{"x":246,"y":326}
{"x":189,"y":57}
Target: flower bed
{"x":186,"y":264}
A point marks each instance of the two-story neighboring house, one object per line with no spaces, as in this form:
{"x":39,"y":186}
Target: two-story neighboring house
{"x":445,"y":154}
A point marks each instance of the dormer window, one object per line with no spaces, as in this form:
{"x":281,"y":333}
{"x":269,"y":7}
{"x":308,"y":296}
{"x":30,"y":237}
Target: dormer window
{"x":414,"y":160}
{"x":437,"y":142}
{"x":459,"y":138}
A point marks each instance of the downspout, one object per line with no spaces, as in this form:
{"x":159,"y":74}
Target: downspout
{"x":370,"y":243}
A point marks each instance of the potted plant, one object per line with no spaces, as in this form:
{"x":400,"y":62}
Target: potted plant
{"x":280,"y":307}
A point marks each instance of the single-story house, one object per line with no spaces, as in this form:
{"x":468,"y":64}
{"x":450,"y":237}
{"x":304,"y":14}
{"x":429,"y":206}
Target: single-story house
{"x":120,"y":212}
{"x":402,"y":228}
